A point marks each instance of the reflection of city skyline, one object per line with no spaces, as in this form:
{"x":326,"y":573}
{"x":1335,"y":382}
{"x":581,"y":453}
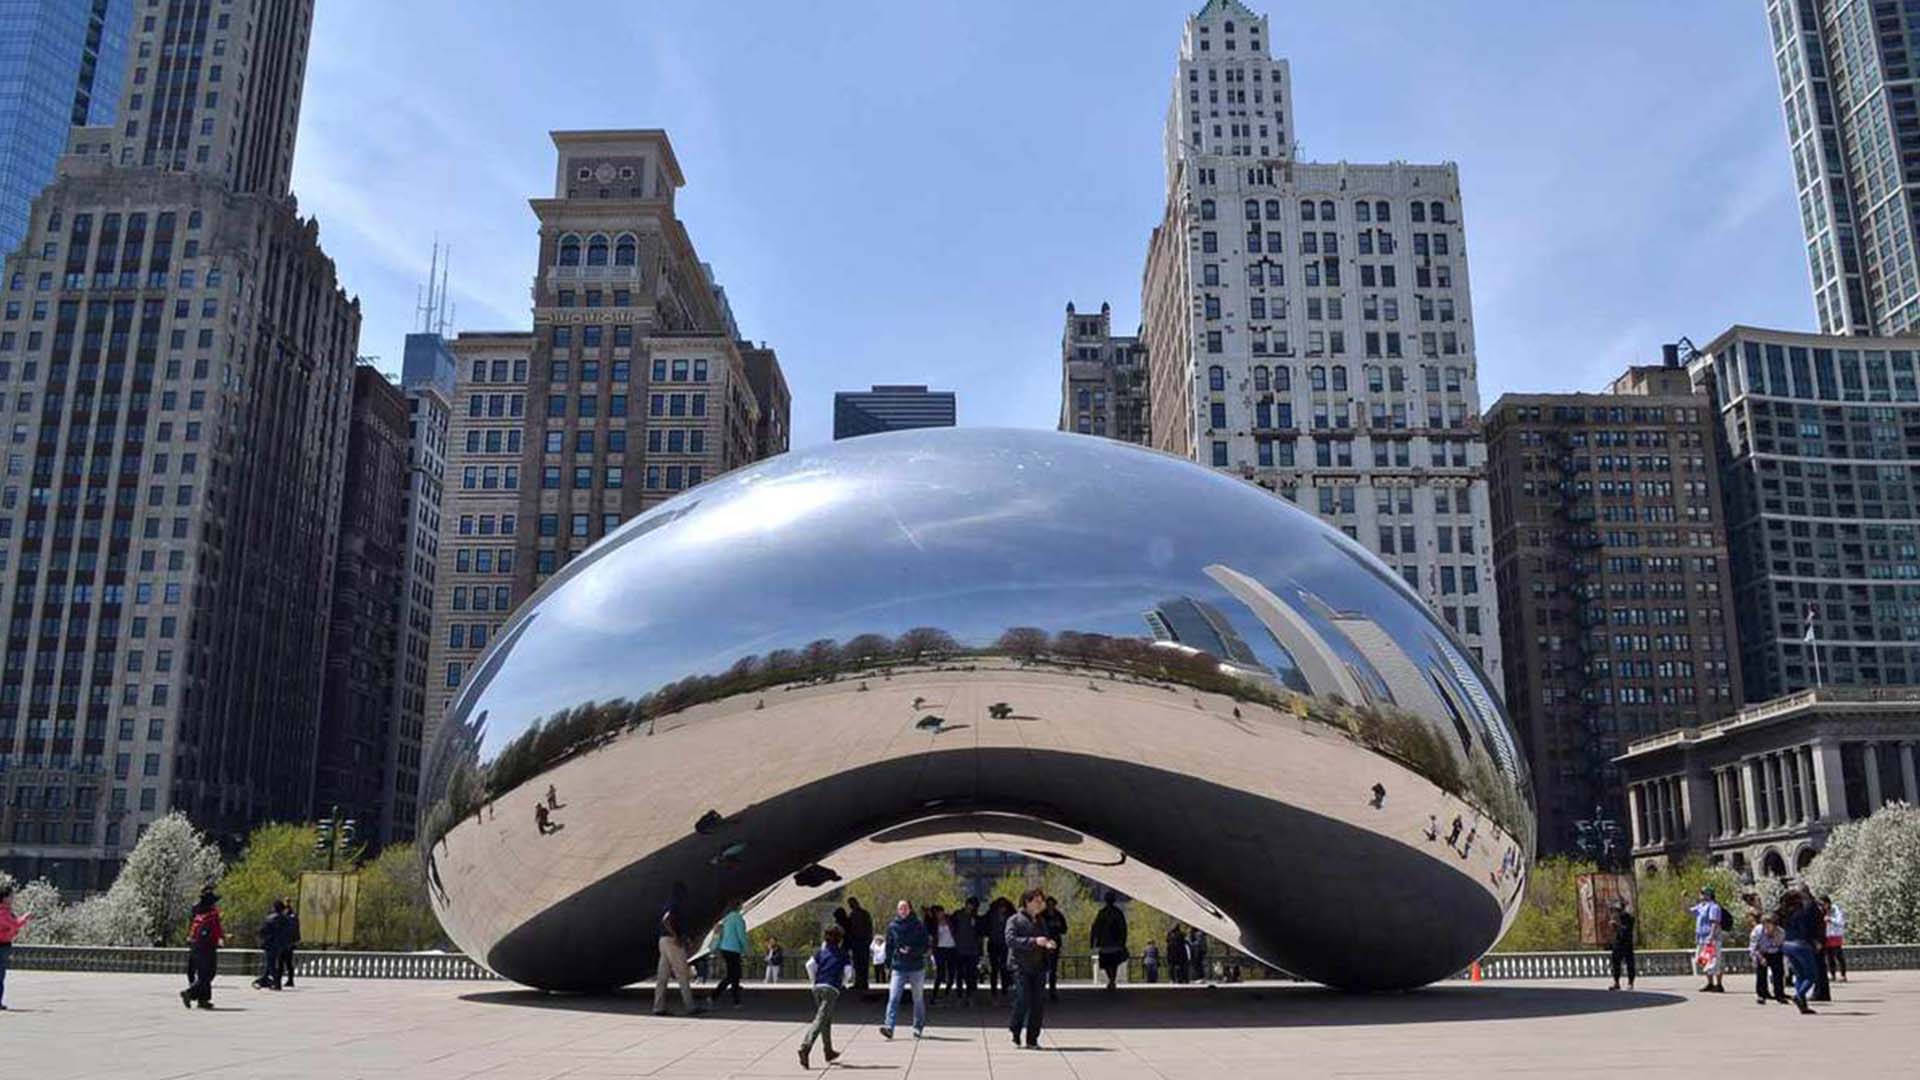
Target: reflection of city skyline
{"x":1198,"y":624}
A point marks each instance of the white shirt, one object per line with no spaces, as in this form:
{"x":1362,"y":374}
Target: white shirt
{"x":945,"y":940}
{"x":1836,"y":921}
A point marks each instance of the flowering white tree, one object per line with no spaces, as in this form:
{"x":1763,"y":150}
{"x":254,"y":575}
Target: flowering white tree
{"x":1871,"y":868}
{"x":147,"y":904}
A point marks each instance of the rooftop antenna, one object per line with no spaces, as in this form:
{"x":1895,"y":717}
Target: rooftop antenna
{"x":440,"y":326}
{"x":423,"y":312}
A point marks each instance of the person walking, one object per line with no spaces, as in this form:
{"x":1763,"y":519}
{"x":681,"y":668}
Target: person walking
{"x":966,"y":949}
{"x":907,"y":945}
{"x":205,"y":936}
{"x":10,"y":927}
{"x":731,"y":944}
{"x":1836,"y":952}
{"x":673,"y":955}
{"x":1176,"y":953}
{"x":878,"y":953}
{"x":1197,"y":955}
{"x":1620,"y":953}
{"x":859,"y":931}
{"x":1804,"y":927}
{"x":828,"y":970}
{"x":995,"y":932}
{"x":1150,"y":962}
{"x":776,"y":956}
{"x":1709,"y":920}
{"x":292,"y":940}
{"x":1763,"y":945}
{"x":1029,"y":949}
{"x":1055,"y":922}
{"x":1822,"y":988}
{"x":945,"y":947}
{"x":1108,"y":939}
{"x":273,"y":938}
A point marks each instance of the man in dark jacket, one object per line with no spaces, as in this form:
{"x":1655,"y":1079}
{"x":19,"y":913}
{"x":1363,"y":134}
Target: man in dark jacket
{"x":1055,"y":922}
{"x":907,"y":946}
{"x":273,"y":937}
{"x":1109,"y":939}
{"x":1030,"y":951}
{"x":966,"y":949}
{"x":293,"y":939}
{"x":204,"y":938}
{"x":859,"y":931}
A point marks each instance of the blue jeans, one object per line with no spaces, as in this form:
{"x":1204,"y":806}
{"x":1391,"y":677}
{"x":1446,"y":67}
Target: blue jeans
{"x":1029,"y":1003}
{"x":6,"y":953}
{"x":902,"y":980}
{"x":1805,"y":963}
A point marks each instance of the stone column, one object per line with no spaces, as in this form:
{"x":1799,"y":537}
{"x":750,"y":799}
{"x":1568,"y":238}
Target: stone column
{"x":1807,"y":785}
{"x":1636,"y":806}
{"x":1827,"y":777}
{"x":1696,"y":788}
{"x":1723,"y":822}
{"x":1870,"y":761}
{"x":1777,"y":771}
{"x":1746,"y":793}
{"x":1907,"y":773}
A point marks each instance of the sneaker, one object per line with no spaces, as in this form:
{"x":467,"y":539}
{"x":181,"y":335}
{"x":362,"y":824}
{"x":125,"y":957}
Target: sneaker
{"x":1802,"y":1005}
{"x":833,"y":1056}
{"x":1016,"y":1036}
{"x":917,"y":1032}
{"x":186,"y":999}
{"x":804,"y":1052}
{"x":1033,"y":1044}
{"x":886,"y":1033}
{"x":1761,"y":1001}
{"x":206,"y":1005}
{"x":1707,"y":989}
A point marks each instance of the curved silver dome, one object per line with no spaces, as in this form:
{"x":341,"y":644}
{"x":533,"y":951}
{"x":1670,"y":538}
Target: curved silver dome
{"x":1171,"y":681}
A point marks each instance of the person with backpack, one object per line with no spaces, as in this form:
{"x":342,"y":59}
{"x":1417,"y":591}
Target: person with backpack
{"x":205,"y":935}
{"x":829,"y":971}
{"x":1710,"y":924}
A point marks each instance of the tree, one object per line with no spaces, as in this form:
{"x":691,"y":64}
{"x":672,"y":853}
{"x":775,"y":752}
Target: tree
{"x":1871,"y":868}
{"x":924,"y":641}
{"x":393,"y":912}
{"x":268,"y":869}
{"x":164,"y":874}
{"x":1024,"y":642}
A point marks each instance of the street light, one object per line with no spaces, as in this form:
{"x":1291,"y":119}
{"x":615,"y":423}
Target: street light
{"x":1598,"y":838}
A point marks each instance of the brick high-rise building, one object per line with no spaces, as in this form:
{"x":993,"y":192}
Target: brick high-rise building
{"x":177,"y":390}
{"x":1103,"y":379}
{"x":1610,"y":559}
{"x":1819,"y":444}
{"x":631,"y":388}
{"x":363,"y":636}
{"x":1309,"y":327}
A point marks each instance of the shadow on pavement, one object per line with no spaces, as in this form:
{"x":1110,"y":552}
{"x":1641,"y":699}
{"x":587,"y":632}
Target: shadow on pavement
{"x":1235,"y":1006}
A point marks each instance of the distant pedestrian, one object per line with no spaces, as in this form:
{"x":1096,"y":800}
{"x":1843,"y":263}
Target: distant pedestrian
{"x":1822,"y":987}
{"x":1150,"y":962}
{"x":1029,"y":949}
{"x":731,"y":944}
{"x":945,"y":946}
{"x":877,"y":952}
{"x":998,"y":912}
{"x":1709,"y":921}
{"x":1108,"y":939}
{"x":1379,"y":796}
{"x":273,"y":938}
{"x":1620,"y":952}
{"x":907,"y":945}
{"x":1764,"y":944}
{"x":541,"y":819}
{"x":205,"y":936}
{"x":1055,"y":922}
{"x":1836,"y":954}
{"x":673,"y":955}
{"x":1197,"y":955}
{"x":829,"y":969}
{"x":859,"y":930}
{"x":10,"y":927}
{"x":1432,"y":831}
{"x":553,"y":798}
{"x":777,"y":956}
{"x":966,"y":949}
{"x":1453,"y":834}
{"x":1804,"y":928}
{"x":1177,"y":953}
{"x":292,"y":941}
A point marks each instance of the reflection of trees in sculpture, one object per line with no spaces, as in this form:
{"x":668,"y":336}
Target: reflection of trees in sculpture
{"x":1406,"y":737}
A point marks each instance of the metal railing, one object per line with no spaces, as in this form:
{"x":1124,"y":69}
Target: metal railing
{"x":329,"y":964}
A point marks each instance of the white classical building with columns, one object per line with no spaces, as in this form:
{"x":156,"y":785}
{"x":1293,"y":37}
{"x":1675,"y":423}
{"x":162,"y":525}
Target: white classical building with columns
{"x":1760,"y":791}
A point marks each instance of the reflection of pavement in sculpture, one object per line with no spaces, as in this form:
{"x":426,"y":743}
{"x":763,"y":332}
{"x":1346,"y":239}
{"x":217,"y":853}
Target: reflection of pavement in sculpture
{"x":638,"y":795}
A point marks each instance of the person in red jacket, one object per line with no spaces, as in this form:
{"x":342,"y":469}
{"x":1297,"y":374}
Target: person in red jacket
{"x":204,"y":938}
{"x":10,"y":925}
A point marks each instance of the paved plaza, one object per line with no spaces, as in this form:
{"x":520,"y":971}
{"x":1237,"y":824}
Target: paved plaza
{"x":97,"y":1026}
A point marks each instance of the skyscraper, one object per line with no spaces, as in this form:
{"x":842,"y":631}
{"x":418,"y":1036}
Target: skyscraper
{"x":178,"y":390}
{"x":1819,"y":443}
{"x":1610,"y":561}
{"x":1103,"y":379}
{"x":1847,"y":86}
{"x":61,"y":62}
{"x":890,"y":408}
{"x":1308,"y":327}
{"x":630,"y":389}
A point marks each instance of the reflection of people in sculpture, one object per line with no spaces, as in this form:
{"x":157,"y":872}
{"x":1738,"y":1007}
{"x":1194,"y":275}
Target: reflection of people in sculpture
{"x":1433,"y":827}
{"x":1453,"y":834}
{"x":553,"y":799}
{"x":1379,"y":796}
{"x":540,"y":820}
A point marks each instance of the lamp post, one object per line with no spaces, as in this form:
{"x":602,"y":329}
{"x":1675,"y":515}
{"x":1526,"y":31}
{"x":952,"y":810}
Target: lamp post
{"x":1598,"y":838}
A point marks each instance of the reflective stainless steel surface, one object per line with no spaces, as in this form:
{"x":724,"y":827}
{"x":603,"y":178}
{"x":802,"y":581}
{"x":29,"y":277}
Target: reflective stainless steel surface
{"x":1172,"y":681}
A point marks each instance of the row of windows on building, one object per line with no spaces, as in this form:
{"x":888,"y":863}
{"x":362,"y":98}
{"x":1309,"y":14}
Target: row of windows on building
{"x":1365,"y":211}
{"x":1265,"y":341}
{"x":1321,"y":378}
{"x":1327,"y":245}
{"x":1817,"y":374}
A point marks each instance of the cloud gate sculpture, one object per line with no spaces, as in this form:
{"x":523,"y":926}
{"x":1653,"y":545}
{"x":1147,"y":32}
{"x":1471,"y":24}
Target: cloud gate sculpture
{"x":1098,"y":655}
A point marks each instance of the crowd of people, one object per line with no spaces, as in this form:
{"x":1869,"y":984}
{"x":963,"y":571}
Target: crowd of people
{"x":1803,"y":933}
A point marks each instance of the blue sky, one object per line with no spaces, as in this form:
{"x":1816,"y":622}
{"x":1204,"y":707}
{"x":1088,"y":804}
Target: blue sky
{"x":912,"y":191}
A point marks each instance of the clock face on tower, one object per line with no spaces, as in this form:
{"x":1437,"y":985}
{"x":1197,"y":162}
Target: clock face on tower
{"x":604,"y":173}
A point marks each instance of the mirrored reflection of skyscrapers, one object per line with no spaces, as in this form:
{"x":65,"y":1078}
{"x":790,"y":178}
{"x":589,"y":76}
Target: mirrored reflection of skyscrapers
{"x":61,"y":65}
{"x":1200,"y":625}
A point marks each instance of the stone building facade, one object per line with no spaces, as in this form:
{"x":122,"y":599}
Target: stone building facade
{"x":630,"y":389}
{"x":1761,"y":790}
{"x":1610,"y":559}
{"x":176,"y":362}
{"x":1309,"y":327}
{"x":1103,"y":379}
